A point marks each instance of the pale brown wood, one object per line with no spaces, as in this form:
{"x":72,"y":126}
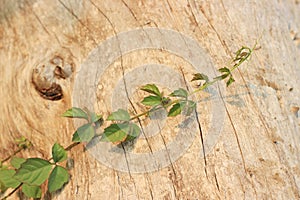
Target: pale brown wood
{"x":257,"y":155}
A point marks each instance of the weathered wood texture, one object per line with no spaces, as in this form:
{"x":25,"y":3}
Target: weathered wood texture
{"x":257,"y":155}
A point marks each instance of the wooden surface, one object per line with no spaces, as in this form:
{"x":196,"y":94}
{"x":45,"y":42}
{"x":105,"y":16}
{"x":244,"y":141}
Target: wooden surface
{"x":257,"y":155}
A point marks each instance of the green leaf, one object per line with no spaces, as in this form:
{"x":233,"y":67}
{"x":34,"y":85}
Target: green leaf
{"x":238,"y":52}
{"x":95,"y":117}
{"x":179,"y":93}
{"x":7,"y":179}
{"x":165,"y":101}
{"x":34,"y":171}
{"x":20,"y":139}
{"x":224,"y":70}
{"x":134,"y":132}
{"x":59,"y":154}
{"x":221,"y":77}
{"x":151,"y":88}
{"x":23,"y":142}
{"x":185,"y":107}
{"x":242,"y":53}
{"x":32,"y":191}
{"x":3,"y":188}
{"x":75,"y":137}
{"x":115,"y":133}
{"x":200,"y":76}
{"x":58,"y":177}
{"x":230,"y":81}
{"x":175,"y":110}
{"x":152,"y":101}
{"x":75,"y":113}
{"x":84,"y":133}
{"x":119,"y":115}
{"x":16,"y":162}
{"x":3,"y":166}
{"x":241,"y":56}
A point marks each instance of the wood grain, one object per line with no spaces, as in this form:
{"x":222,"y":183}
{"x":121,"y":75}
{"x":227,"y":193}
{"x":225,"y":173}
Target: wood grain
{"x":257,"y":156}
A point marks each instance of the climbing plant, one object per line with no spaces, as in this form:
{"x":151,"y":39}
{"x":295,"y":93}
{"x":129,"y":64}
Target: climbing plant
{"x":29,"y":174}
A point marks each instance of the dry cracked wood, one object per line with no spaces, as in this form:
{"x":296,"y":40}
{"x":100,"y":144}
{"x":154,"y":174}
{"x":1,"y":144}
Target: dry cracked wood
{"x":43,"y":45}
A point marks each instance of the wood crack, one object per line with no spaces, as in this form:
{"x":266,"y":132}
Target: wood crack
{"x":202,"y":142}
{"x":199,"y":128}
{"x":269,"y":134}
{"x":214,"y":29}
{"x":261,"y":118}
{"x":42,"y":24}
{"x":226,"y":13}
{"x":193,"y":14}
{"x":216,"y":180}
{"x":121,"y":188}
{"x":236,"y":137}
{"x":165,"y":145}
{"x":169,"y":6}
{"x":174,"y":180}
{"x":123,"y":71}
{"x":130,"y":10}
{"x":126,"y":91}
{"x":128,"y":168}
{"x":136,"y":19}
{"x":77,"y":18}
{"x":150,"y":185}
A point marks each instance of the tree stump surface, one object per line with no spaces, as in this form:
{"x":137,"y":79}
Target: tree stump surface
{"x":254,"y":152}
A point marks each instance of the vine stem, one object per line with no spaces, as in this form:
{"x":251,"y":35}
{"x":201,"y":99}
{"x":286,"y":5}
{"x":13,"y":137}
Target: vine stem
{"x":240,"y":60}
{"x":22,"y":146}
{"x":68,"y":148}
{"x":13,"y":154}
{"x":204,"y":86}
{"x":155,"y":109}
{"x":235,"y":66}
{"x":12,"y":192}
{"x":71,"y":146}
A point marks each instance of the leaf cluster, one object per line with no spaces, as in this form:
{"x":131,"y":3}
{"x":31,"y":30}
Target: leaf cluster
{"x":86,"y":132}
{"x":122,"y":129}
{"x":181,"y":105}
{"x":29,"y":174}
